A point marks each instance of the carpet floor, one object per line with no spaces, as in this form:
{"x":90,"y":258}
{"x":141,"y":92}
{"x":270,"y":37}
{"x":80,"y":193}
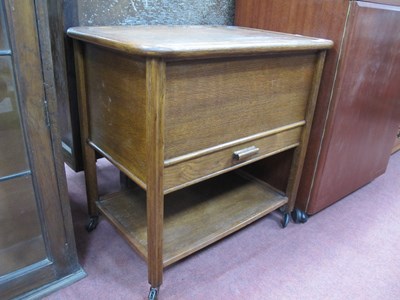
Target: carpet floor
{"x":347,"y":251}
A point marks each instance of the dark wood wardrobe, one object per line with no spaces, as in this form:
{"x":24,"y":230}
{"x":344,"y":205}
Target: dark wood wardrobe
{"x":358,"y":109}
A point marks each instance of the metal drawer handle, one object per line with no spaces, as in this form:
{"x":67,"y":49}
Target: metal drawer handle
{"x":245,"y":153}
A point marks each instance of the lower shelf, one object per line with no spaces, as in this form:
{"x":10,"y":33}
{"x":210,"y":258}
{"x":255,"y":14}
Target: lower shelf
{"x":194,"y":217}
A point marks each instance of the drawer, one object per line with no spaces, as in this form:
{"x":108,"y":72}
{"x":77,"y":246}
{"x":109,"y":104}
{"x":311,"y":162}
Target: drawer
{"x":211,"y":102}
{"x":194,"y":168}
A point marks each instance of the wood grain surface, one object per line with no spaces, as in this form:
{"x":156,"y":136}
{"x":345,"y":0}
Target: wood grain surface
{"x":116,"y":93}
{"x":254,"y":95}
{"x":348,"y":125}
{"x":168,"y":110}
{"x":194,"y":217}
{"x":193,"y":41}
{"x":218,"y":162}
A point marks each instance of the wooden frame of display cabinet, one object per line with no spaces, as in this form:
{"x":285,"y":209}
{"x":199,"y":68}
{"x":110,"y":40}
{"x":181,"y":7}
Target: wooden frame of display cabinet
{"x":178,"y":109}
{"x":37,"y":241}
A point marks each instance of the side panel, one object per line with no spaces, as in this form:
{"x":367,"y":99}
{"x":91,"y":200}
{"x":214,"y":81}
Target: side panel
{"x":116,"y":95}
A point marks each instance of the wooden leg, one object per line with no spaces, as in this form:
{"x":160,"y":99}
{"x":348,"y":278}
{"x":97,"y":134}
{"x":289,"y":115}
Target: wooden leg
{"x":89,"y":163}
{"x":89,"y":155}
{"x":155,"y":215}
{"x":155,"y":91}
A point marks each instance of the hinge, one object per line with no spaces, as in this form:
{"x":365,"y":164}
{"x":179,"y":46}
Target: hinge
{"x":46,"y":113}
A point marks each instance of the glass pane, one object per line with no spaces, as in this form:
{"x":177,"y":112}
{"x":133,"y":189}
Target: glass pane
{"x":12,"y":149}
{"x":21,"y":241}
{"x":3,"y":35}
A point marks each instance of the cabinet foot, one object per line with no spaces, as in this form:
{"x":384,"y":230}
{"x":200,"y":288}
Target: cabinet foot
{"x":92,"y":224}
{"x":153,"y":294}
{"x":299,"y":216}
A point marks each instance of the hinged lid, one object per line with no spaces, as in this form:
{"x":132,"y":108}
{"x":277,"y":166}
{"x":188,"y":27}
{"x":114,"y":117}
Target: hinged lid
{"x":195,"y":41}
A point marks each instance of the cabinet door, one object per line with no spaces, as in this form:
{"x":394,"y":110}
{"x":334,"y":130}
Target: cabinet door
{"x":21,"y":240}
{"x":318,"y":18}
{"x":36,"y":240}
{"x":365,"y":116}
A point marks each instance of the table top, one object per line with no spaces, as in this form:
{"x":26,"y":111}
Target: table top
{"x":194,"y":41}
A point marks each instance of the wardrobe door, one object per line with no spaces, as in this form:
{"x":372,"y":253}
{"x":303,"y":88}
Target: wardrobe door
{"x":364,"y":119}
{"x":317,"y":18}
{"x":357,"y":110}
{"x":37,"y":248}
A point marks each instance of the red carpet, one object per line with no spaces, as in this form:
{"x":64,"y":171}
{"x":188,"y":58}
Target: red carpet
{"x":348,"y":251}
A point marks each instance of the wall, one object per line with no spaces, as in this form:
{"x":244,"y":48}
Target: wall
{"x":175,"y":12}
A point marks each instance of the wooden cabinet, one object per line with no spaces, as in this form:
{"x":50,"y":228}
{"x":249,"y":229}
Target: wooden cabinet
{"x":62,"y":15}
{"x":358,"y":107}
{"x":37,"y":247}
{"x":178,"y":109}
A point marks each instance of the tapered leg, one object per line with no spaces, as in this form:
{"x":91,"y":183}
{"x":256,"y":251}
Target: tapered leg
{"x":89,"y":158}
{"x":89,"y":155}
{"x":155,"y":93}
{"x":155,"y":211}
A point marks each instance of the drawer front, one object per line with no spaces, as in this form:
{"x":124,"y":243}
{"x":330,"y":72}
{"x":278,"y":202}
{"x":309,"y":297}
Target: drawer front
{"x":178,"y":174}
{"x":211,"y":102}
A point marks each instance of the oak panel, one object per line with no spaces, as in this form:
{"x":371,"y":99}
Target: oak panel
{"x":213,"y":102}
{"x":116,"y":93}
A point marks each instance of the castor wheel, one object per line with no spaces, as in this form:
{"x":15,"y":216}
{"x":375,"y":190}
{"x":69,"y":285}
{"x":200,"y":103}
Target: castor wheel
{"x":153,"y":294}
{"x":285,"y":220}
{"x":92,"y":224}
{"x":299,"y":216}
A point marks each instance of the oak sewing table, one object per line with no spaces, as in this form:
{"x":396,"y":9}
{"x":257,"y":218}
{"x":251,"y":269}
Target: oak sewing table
{"x":180,"y":110}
